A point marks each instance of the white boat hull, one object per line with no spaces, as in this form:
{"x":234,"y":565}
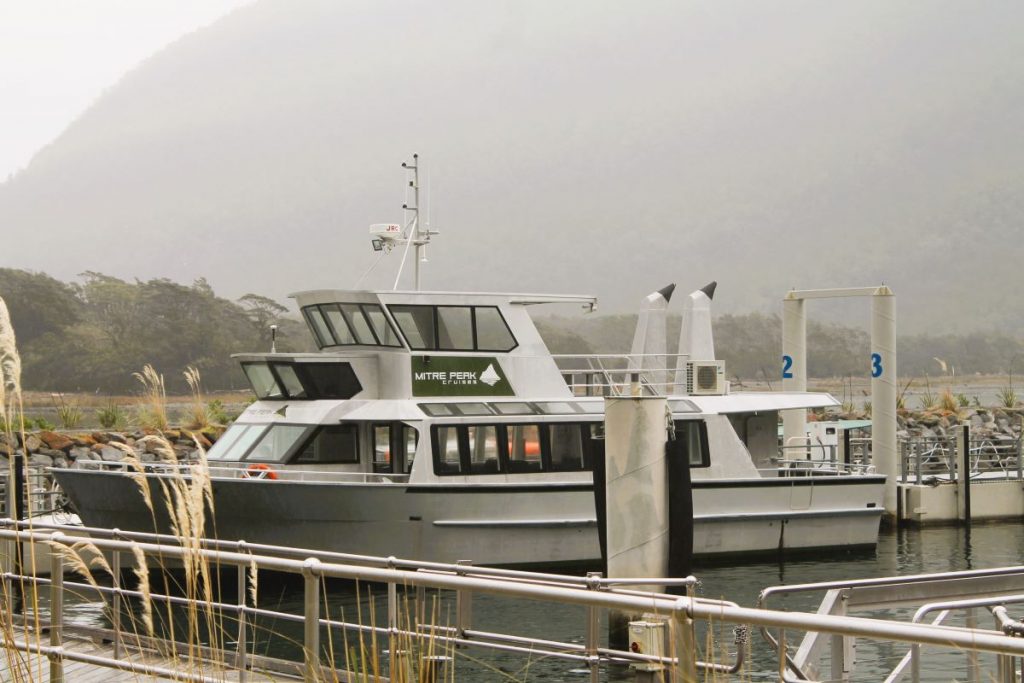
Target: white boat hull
{"x":501,"y":524}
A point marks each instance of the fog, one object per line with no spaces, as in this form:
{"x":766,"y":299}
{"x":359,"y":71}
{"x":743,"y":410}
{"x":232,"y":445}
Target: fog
{"x":585,"y":147}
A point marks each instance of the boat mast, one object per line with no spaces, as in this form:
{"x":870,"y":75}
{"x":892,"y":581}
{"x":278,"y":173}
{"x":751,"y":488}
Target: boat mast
{"x":419,"y":236}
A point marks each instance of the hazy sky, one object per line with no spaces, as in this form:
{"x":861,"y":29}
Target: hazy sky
{"x":57,"y":56}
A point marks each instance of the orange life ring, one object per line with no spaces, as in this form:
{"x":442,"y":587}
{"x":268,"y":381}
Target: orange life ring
{"x":259,"y":470}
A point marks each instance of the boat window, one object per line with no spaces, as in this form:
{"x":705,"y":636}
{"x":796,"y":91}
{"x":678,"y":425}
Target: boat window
{"x":290,"y":380}
{"x":591,"y":407}
{"x":321,"y":330}
{"x":410,"y":438}
{"x":342,"y":334}
{"x":524,"y":448}
{"x":438,"y":409}
{"x":455,"y":328}
{"x":492,"y":333}
{"x":556,"y":407}
{"x":263,"y":382}
{"x":385,"y":333}
{"x":417,"y":324}
{"x":277,"y":442}
{"x":446,"y":450}
{"x":472,"y":408}
{"x":360,"y":325}
{"x":382,"y":448}
{"x":566,"y":447}
{"x":233,"y":444}
{"x":336,"y":381}
{"x":683,"y":406}
{"x":512,"y":448}
{"x":694,"y":434}
{"x":483,"y":449}
{"x":512,"y":408}
{"x":330,"y":444}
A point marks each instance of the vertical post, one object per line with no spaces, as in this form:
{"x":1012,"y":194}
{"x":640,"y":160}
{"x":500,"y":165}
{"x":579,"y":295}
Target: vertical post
{"x":463,"y":605}
{"x":56,"y":612}
{"x":395,"y":659}
{"x":883,"y":391}
{"x":838,"y":646}
{"x":685,"y":646}
{"x":963,"y":474}
{"x":794,"y":367}
{"x":241,"y":651}
{"x":115,"y":602}
{"x":973,"y":665}
{"x":311,"y":642}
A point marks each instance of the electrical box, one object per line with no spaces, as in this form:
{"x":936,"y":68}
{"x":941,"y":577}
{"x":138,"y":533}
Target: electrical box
{"x":647,"y":638}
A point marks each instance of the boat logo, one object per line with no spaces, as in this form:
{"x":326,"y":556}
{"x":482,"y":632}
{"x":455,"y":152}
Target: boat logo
{"x":282,"y":411}
{"x":489,"y":376}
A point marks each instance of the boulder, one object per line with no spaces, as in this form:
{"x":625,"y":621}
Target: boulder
{"x":52,"y":452}
{"x":172,"y":434}
{"x":79,"y":452}
{"x":84,"y":439}
{"x":55,"y":441}
{"x":60,"y":461}
{"x":40,"y":460}
{"x":147,"y":457}
{"x":98,"y":437}
{"x":111,"y":454}
{"x":32,"y":443}
{"x":114,"y":436}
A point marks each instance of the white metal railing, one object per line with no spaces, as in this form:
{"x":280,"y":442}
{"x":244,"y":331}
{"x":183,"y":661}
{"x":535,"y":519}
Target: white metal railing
{"x":244,"y":470}
{"x":613,"y":374}
{"x":937,"y":459}
{"x":681,"y":659}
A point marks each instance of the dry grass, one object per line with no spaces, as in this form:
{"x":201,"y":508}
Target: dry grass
{"x":196,"y":416}
{"x":152,"y":410}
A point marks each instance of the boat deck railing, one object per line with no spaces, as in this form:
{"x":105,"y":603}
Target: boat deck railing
{"x":618,"y":374}
{"x":411,"y":630}
{"x":805,"y":456}
{"x":249,"y":471}
{"x":41,"y":497}
{"x":937,"y":459}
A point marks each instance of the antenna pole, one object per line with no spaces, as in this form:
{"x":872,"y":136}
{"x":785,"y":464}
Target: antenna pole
{"x":414,"y":232}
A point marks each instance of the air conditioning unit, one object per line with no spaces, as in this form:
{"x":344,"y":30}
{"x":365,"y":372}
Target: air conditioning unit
{"x":705,"y":377}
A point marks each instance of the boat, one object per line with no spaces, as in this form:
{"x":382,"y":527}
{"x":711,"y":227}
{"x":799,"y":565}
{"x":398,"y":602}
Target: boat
{"x":437,"y":426}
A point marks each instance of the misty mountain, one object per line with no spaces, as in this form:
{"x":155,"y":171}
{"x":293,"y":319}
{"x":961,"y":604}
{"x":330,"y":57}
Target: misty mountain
{"x":592,"y":147}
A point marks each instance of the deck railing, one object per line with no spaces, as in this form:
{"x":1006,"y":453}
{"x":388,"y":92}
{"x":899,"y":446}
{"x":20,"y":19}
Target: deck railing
{"x":617,"y":374}
{"x":681,"y":657}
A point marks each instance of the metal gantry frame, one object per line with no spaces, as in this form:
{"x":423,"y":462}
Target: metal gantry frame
{"x":882,"y":369}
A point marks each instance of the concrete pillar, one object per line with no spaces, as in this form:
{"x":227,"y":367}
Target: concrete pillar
{"x":636,"y":494}
{"x":884,"y":392}
{"x":794,"y":369}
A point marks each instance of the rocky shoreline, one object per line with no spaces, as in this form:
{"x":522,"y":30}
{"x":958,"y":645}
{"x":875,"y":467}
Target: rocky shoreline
{"x":997,"y":424}
{"x":47,"y":448}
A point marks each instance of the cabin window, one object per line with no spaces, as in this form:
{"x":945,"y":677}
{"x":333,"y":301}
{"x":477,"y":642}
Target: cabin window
{"x":336,"y":381}
{"x":394,"y":447}
{"x":511,"y":448}
{"x":234,"y":443}
{"x":264,"y":385}
{"x":512,"y":408}
{"x":694,"y":434}
{"x":556,"y":407}
{"x":330,"y":445}
{"x":492,"y":333}
{"x":386,"y":334}
{"x":453,"y":328}
{"x":524,"y":449}
{"x":346,"y":324}
{"x":417,"y":324}
{"x":321,"y":330}
{"x":360,"y":325}
{"x":292,"y":385}
{"x":278,"y":442}
{"x":339,"y":326}
{"x":566,"y":451}
{"x":483,"y":449}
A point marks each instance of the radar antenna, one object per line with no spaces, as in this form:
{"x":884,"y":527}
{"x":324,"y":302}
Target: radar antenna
{"x":386,"y":236}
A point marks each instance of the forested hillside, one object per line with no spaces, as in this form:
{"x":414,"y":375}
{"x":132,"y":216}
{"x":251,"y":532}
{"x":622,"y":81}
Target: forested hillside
{"x":579,"y":146}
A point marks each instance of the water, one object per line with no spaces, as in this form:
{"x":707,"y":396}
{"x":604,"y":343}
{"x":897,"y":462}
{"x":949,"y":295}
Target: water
{"x":902,"y":552}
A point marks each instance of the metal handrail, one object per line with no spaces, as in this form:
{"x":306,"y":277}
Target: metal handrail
{"x":679,"y":610}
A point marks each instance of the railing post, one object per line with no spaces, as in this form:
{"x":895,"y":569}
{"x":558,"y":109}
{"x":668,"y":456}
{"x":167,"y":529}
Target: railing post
{"x":592,"y":635}
{"x":685,"y":646}
{"x":463,"y":605}
{"x":56,"y":612}
{"x":396,"y":668}
{"x":115,"y":602}
{"x":1020,"y":450}
{"x":242,"y":649}
{"x":311,"y":641}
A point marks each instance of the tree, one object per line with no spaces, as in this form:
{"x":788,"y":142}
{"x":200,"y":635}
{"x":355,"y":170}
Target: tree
{"x":263,"y":312}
